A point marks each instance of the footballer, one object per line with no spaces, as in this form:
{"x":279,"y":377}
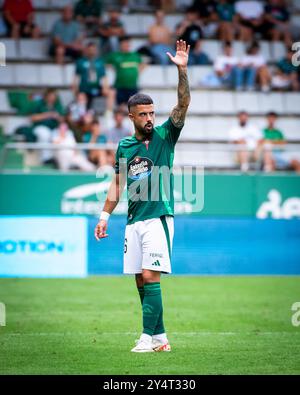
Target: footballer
{"x":149,"y":230}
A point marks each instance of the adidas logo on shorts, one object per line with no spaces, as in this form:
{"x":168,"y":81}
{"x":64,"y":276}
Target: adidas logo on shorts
{"x":156,"y":263}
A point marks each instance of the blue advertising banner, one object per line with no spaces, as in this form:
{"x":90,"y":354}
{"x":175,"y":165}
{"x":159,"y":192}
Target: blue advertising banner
{"x":43,"y":246}
{"x":211,"y":246}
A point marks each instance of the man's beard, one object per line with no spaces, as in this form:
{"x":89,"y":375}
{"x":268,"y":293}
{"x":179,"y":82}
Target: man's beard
{"x":146,"y":131}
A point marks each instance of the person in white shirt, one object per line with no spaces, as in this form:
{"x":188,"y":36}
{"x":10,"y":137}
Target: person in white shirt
{"x":250,"y":14}
{"x":247,"y":136}
{"x":225,"y":66}
{"x":253,"y":67}
{"x":69,"y":156}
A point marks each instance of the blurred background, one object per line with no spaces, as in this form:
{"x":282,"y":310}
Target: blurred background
{"x":67,"y":71}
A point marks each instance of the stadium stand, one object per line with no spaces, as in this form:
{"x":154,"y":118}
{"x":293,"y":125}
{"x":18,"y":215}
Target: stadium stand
{"x":212,"y":111}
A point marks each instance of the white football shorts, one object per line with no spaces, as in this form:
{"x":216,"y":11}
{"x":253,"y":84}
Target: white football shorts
{"x":148,"y":245}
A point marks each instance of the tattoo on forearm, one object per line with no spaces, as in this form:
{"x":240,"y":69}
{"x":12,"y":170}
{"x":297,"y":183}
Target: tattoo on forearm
{"x":184,"y":98}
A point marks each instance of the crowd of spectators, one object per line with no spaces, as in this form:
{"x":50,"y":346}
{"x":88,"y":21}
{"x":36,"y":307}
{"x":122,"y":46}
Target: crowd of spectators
{"x":95,"y":42}
{"x":262,"y":148}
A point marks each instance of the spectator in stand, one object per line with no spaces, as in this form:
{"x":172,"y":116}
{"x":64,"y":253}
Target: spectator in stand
{"x":99,"y":157}
{"x":207,"y":11}
{"x":127,"y":65}
{"x":227,"y":20}
{"x":91,"y":79}
{"x":286,"y":73}
{"x":110,"y":32}
{"x":277,"y":21}
{"x":66,"y":37}
{"x":76,"y":112}
{"x":225,"y":67}
{"x":190,"y":31}
{"x":88,"y":13}
{"x":247,"y":137}
{"x":253,"y":68}
{"x":69,"y":157}
{"x":160,"y":38}
{"x":272,"y":144}
{"x":46,"y":116}
{"x":18,"y":16}
{"x":117,"y":130}
{"x":250,"y":18}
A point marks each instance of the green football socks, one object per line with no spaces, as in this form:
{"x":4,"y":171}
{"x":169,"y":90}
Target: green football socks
{"x":151,"y":300}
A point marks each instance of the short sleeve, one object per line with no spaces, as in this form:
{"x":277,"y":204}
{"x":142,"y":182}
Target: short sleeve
{"x":171,"y":132}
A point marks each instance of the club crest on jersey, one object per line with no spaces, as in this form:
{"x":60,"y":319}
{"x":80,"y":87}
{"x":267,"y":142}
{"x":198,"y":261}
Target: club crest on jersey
{"x":140,"y":168}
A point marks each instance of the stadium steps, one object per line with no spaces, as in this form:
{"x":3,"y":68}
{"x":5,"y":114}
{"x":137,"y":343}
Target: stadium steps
{"x":37,"y":49}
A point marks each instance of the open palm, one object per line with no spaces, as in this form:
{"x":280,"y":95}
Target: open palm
{"x":182,"y":54}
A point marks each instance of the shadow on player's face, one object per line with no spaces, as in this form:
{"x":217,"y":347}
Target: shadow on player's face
{"x":143,"y":118}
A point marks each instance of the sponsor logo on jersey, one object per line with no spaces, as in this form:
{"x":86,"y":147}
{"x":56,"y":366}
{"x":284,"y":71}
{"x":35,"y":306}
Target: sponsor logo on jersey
{"x":140,"y":168}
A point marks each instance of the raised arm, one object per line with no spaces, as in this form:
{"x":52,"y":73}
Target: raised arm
{"x":183,"y":90}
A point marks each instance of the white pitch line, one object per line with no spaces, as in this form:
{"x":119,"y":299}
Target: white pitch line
{"x":137,"y":333}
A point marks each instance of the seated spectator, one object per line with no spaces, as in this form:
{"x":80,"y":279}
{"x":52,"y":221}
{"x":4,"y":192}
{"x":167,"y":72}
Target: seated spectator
{"x":207,"y":11}
{"x":100,"y":157}
{"x":252,"y":68}
{"x":160,"y":39}
{"x":69,"y":157}
{"x":250,"y":18}
{"x":247,"y":136}
{"x":46,"y":116}
{"x":88,"y":13}
{"x":225,"y":67}
{"x":18,"y":16}
{"x":66,"y":37}
{"x":110,"y":32}
{"x":190,"y":31}
{"x":227,"y":20}
{"x":286,"y":73}
{"x":127,"y":65}
{"x":76,"y":112}
{"x":117,"y":130}
{"x":90,"y":77}
{"x":272,"y":143}
{"x":277,"y":21}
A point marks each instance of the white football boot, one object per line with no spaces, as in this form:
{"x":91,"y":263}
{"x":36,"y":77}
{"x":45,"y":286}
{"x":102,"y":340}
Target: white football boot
{"x":143,"y":345}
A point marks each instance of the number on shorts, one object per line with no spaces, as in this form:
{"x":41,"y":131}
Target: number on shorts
{"x":125,"y":246}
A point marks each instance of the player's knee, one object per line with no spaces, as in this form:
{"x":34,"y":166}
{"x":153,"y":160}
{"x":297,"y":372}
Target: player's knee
{"x":150,"y":276}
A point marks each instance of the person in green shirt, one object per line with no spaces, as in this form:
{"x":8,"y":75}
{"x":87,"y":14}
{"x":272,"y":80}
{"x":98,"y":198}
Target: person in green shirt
{"x":274,"y":155}
{"x":144,"y":161}
{"x":46,"y":116}
{"x":90,"y":77}
{"x":127,"y":65}
{"x":88,"y":13}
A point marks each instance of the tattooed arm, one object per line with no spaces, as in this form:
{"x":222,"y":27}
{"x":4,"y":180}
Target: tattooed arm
{"x":181,"y":59}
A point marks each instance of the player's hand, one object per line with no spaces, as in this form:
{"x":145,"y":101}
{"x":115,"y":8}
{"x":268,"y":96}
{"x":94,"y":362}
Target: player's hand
{"x":182,"y":54}
{"x":100,"y":230}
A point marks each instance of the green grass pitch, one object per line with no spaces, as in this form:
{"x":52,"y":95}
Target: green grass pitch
{"x":216,"y":325}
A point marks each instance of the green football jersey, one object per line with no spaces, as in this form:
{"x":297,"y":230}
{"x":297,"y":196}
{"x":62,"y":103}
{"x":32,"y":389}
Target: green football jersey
{"x":148,"y":165}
